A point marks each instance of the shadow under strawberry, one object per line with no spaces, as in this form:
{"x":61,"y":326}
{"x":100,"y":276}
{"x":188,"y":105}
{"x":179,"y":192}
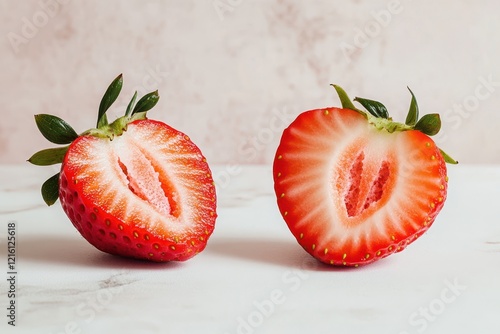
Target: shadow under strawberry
{"x":274,"y":252}
{"x":74,"y":252}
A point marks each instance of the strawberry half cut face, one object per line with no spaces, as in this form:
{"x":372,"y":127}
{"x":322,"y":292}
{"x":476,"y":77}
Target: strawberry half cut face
{"x":356,"y":187}
{"x":135,"y":188}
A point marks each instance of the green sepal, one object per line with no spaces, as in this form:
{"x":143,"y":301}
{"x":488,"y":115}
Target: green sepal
{"x":345,"y":100}
{"x":108,"y":99}
{"x":55,"y":129}
{"x":146,"y":102}
{"x":131,"y":105}
{"x":447,"y":158}
{"x":50,"y":190}
{"x":50,"y":156}
{"x":412,"y":117}
{"x":375,"y":108}
{"x":429,"y":124}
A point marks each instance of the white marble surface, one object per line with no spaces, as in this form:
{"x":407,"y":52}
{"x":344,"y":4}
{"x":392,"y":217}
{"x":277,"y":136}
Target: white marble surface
{"x":223,"y":67}
{"x":253,"y":277}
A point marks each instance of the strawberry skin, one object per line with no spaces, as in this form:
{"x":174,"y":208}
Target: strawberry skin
{"x":147,"y":194}
{"x":352,"y":193}
{"x":135,"y":187}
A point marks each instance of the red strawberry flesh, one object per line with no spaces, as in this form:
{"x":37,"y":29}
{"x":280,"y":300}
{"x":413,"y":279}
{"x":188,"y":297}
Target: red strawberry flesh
{"x":149,"y":192}
{"x":351,"y":193}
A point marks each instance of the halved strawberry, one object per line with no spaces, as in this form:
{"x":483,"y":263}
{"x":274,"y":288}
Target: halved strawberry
{"x":136,"y":187}
{"x":354,"y":187}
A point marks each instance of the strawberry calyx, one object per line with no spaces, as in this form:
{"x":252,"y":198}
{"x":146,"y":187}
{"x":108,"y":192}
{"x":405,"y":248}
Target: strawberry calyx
{"x":57,"y":131}
{"x":116,"y":128}
{"x":387,"y":124}
{"x":378,"y":116}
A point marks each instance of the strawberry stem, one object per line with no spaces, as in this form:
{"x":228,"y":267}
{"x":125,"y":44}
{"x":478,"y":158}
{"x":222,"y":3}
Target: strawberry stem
{"x":116,"y":128}
{"x":387,"y":124}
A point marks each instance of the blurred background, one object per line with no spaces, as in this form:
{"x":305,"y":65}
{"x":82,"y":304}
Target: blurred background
{"x":233,"y":73}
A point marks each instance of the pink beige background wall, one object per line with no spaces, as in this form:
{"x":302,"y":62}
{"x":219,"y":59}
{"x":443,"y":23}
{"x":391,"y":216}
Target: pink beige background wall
{"x":232,"y":73}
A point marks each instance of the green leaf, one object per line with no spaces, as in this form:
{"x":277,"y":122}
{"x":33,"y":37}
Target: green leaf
{"x":108,"y":99}
{"x":147,"y":102}
{"x":429,"y":124}
{"x":55,"y":129}
{"x":50,"y":190}
{"x":412,"y":117}
{"x":375,"y":108}
{"x":447,"y":158}
{"x":49,"y":156}
{"x":344,"y":98}
{"x":131,"y":105}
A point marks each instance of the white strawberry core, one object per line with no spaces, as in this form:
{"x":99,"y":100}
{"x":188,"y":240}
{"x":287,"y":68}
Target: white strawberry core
{"x":143,"y":179}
